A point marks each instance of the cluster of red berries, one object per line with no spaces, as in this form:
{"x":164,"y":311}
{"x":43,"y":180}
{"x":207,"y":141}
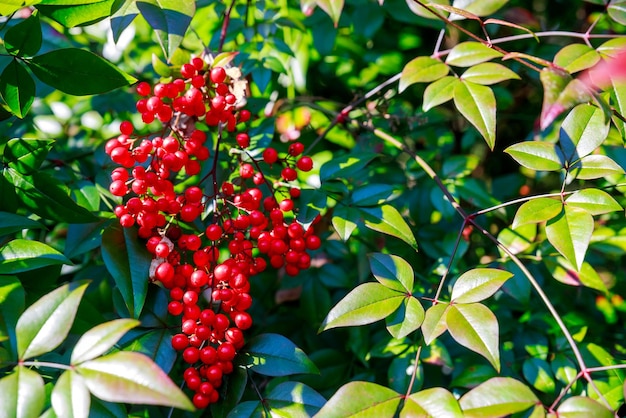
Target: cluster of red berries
{"x":207,"y":266}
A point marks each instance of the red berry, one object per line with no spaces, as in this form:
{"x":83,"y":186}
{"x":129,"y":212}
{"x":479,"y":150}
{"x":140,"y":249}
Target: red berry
{"x":191,"y":355}
{"x":180,"y":342}
{"x":270,"y":155}
{"x":289,"y":174}
{"x":286,"y":205}
{"x":243,"y":139}
{"x":143,"y":89}
{"x":243,"y":320}
{"x":126,"y":128}
{"x":175,"y":308}
{"x":305,"y":164}
{"x":296,"y":149}
{"x":226,"y":351}
{"x":218,"y":75}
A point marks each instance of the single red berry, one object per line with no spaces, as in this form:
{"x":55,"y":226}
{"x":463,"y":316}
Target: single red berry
{"x":191,"y":355}
{"x":305,"y":163}
{"x":143,"y":89}
{"x":175,"y":308}
{"x":218,"y":75}
{"x":270,"y":155}
{"x":296,"y":149}
{"x":243,"y":139}
{"x":286,"y":205}
{"x":289,"y":174}
{"x":180,"y":342}
{"x":126,"y":128}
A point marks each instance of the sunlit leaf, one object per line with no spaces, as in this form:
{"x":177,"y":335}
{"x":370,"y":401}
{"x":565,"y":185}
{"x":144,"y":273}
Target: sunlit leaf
{"x":17,"y":88}
{"x":361,"y":399}
{"x":617,"y":11}
{"x":131,"y":378}
{"x":333,"y":8}
{"x":570,"y":233}
{"x":582,"y":131}
{"x":478,"y":284}
{"x":439,"y":92}
{"x":22,"y":394}
{"x":21,"y":255}
{"x":594,"y":166}
{"x":475,"y":326}
{"x":538,"y":373}
{"x":344,"y":220}
{"x":388,"y":220}
{"x":433,"y":402}
{"x":422,"y":70}
{"x":434,"y":323}
{"x":478,"y":104}
{"x":275,"y":355}
{"x":480,"y":7}
{"x":10,"y":222}
{"x":76,"y":13}
{"x":499,"y":396}
{"x":100,"y":339}
{"x":563,"y":271}
{"x":537,"y":210}
{"x":392,"y":271}
{"x":470,"y":53}
{"x":582,"y":406}
{"x":594,"y":201}
{"x":345,"y":166}
{"x":489,"y":73}
{"x":373,"y":194}
{"x":70,"y":396}
{"x":45,"y":324}
{"x":367,"y":303}
{"x":425,"y":11}
{"x":406,"y":319}
{"x":26,"y":155}
{"x":576,"y":57}
{"x":123,"y":17}
{"x":169,"y":19}
{"x":540,"y":156}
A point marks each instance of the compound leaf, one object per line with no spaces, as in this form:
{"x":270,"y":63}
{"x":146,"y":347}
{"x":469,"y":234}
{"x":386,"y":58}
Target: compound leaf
{"x":100,"y":339}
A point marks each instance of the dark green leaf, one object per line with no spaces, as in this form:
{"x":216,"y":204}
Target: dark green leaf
{"x":70,"y":396}
{"x":169,"y":19}
{"x":367,"y":303}
{"x":540,"y":209}
{"x":422,"y":70}
{"x":22,"y":394}
{"x":459,"y":165}
{"x":361,"y":399}
{"x":234,"y":386}
{"x":489,"y":73}
{"x":439,"y":92}
{"x":594,"y":201}
{"x":26,"y":155}
{"x":10,"y":223}
{"x":131,"y":378}
{"x":388,"y":220}
{"x":538,"y":373}
{"x":157,"y":345}
{"x":467,"y":54}
{"x":582,"y":406}
{"x":434,"y":323}
{"x":24,"y":39}
{"x":82,"y":238}
{"x":70,"y":14}
{"x":478,"y":105}
{"x":372,"y":194}
{"x":100,"y":339}
{"x":21,"y":255}
{"x":294,"y":399}
{"x":474,"y":326}
{"x":499,"y":396}
{"x":311,"y":203}
{"x":45,"y":324}
{"x":570,"y":233}
{"x":17,"y":88}
{"x":478,"y":284}
{"x":403,"y":370}
{"x":434,"y":402}
{"x":275,"y":355}
{"x":123,"y":17}
{"x":128,"y":261}
{"x":540,"y":156}
{"x":78,"y":72}
{"x":12,"y":302}
{"x":582,"y":131}
{"x":346,"y":166}
{"x":406,"y":319}
{"x":576,"y":57}
{"x":46,"y":196}
{"x":344,"y":220}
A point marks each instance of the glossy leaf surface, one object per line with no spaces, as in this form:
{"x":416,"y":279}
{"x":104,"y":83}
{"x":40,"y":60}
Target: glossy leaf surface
{"x":388,"y":220}
{"x":467,"y":54}
{"x":540,"y":156}
{"x":275,"y":355}
{"x":478,"y":104}
{"x":17,"y":88}
{"x":537,"y":210}
{"x":169,"y":19}
{"x":361,"y":399}
{"x":100,"y":339}
{"x":439,"y":92}
{"x":570,"y":233}
{"x":21,"y":394}
{"x":70,"y":396}
{"x":478,"y":284}
{"x":498,"y":396}
{"x":23,"y":255}
{"x":422,"y":70}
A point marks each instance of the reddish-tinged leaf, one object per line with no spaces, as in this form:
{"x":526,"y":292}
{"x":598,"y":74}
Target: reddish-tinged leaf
{"x":333,"y":8}
{"x":361,"y":399}
{"x":582,"y":406}
{"x":497,"y":397}
{"x":456,"y":11}
{"x":100,"y":339}
{"x":511,"y":25}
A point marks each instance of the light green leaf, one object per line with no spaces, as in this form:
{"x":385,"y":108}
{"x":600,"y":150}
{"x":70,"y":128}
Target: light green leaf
{"x":436,"y":402}
{"x":570,"y":233}
{"x":618,"y":99}
{"x":367,"y":303}
{"x":617,"y":11}
{"x":406,"y":319}
{"x":539,"y":156}
{"x":169,"y":19}
{"x":131,"y":378}
{"x":26,"y":155}
{"x":128,"y":261}
{"x":361,"y":399}
{"x":478,"y":104}
{"x":517,"y":240}
{"x":387,"y":219}
{"x":275,"y":355}
{"x":478,"y":284}
{"x":594,"y":201}
{"x":100,"y":339}
{"x":538,"y":373}
{"x":489,"y":73}
{"x":45,"y":324}
{"x":582,"y":131}
{"x":22,"y":394}
{"x":611,"y":47}
{"x":540,"y":209}
{"x":471,"y":53}
{"x":23,"y":255}
{"x":422,"y":70}
{"x":392,"y":271}
{"x":439,"y":92}
{"x":70,"y":396}
{"x":70,"y":14}
{"x":498,"y":396}
{"x":434,"y":323}
{"x":576,"y":57}
{"x":583,"y":407}
{"x":480,"y":7}
{"x":474,"y":326}
{"x":425,"y":11}
{"x":594,"y":166}
{"x":17,"y":88}
{"x":554,"y":82}
{"x":343,"y":220}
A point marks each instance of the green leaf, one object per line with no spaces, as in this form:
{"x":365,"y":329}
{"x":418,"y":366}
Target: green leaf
{"x":594,"y":201}
{"x":17,"y":88}
{"x":70,"y":13}
{"x":78,"y":72}
{"x":311,"y":202}
{"x":422,"y":70}
{"x":24,"y":39}
{"x":570,"y":233}
{"x":70,"y":396}
{"x":373,"y":194}
{"x":563,"y":271}
{"x":435,"y":402}
{"x":12,"y":302}
{"x":617,"y":11}
{"x":618,"y":99}
{"x":21,"y":255}
{"x":47,"y":197}
{"x":539,"y":156}
{"x":478,"y":104}
{"x":123,"y":17}
{"x":471,"y":53}
{"x":387,"y":219}
{"x":343,"y":220}
{"x":233,"y":387}
{"x":575,"y":92}
{"x":480,"y":7}
{"x":564,"y":369}
{"x":45,"y":324}
{"x":554,"y":82}
{"x":424,"y":11}
{"x":474,"y":326}
{"x":361,"y":399}
{"x":128,"y":261}
{"x":10,"y":223}
{"x":498,"y":396}
{"x":169,"y":19}
{"x":576,"y":57}
{"x":583,"y":407}
{"x":406,"y":319}
{"x":434,"y":323}
{"x":489,"y":73}
{"x":519,"y":239}
{"x":294,"y":399}
{"x":275,"y":355}
{"x":582,"y":131}
{"x":22,"y":394}
{"x":478,"y":284}
{"x":131,"y":378}
{"x":26,"y":155}
{"x":540,"y":209}
{"x":594,"y":166}
{"x":459,"y":166}
{"x":100,"y":339}
{"x":346,"y":166}
{"x":538,"y":373}
{"x":8,"y":7}
{"x":367,"y":303}
{"x":156,"y":344}
{"x":392,"y":271}
{"x":333,"y":8}
{"x":439,"y":92}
